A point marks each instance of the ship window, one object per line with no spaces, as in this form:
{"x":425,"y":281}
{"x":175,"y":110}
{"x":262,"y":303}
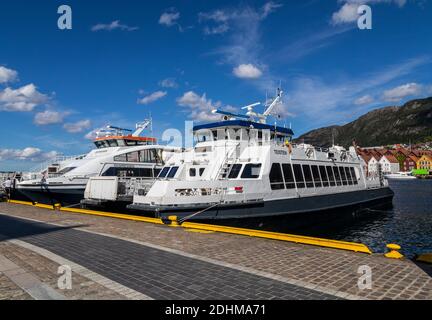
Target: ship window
{"x":164,"y":172}
{"x":172,"y":172}
{"x":308,"y":176}
{"x":235,"y":170}
{"x":276,"y":180}
{"x":131,"y":142}
{"x":201,"y":171}
{"x":128,"y":172}
{"x":65,"y":170}
{"x":148,"y":156}
{"x":337,"y":176}
{"x":146,"y":172}
{"x":354,"y":176}
{"x":343,"y":176}
{"x":324,"y":177}
{"x":133,"y":156}
{"x":112,"y":143}
{"x":316,"y":176}
{"x":121,"y":158}
{"x":121,"y":142}
{"x":348,"y":175}
{"x":156,"y":172}
{"x":288,"y":176}
{"x":298,"y":176}
{"x":101,"y":144}
{"x":331,"y":176}
{"x":192,"y":172}
{"x":251,"y":170}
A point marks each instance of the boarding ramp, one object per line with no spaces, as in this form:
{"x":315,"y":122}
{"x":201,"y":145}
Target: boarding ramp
{"x":100,"y":190}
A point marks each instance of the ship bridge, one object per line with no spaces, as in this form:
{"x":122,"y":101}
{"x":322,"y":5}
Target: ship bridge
{"x":112,"y":136}
{"x":240,"y":130}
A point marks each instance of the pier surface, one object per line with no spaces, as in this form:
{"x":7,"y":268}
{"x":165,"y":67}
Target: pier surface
{"x":122,"y":259}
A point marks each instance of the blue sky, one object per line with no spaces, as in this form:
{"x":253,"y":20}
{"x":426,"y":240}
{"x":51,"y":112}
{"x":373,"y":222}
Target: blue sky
{"x":178,"y":60}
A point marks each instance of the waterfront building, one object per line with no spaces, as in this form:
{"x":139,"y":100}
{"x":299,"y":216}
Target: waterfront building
{"x":425,"y":162}
{"x":389,"y":164}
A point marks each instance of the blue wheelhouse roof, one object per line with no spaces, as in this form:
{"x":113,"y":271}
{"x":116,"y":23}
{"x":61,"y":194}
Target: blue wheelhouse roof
{"x":243,"y":123}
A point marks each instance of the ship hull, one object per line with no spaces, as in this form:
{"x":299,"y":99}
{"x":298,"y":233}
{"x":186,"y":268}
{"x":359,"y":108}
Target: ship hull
{"x":65,"y":195}
{"x":273,"y":208}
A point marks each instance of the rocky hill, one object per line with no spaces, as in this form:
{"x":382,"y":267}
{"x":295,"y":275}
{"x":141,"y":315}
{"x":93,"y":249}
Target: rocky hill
{"x":411,"y":122}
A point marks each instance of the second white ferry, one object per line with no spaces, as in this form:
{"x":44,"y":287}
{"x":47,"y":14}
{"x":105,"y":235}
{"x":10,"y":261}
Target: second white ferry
{"x":119,"y":153}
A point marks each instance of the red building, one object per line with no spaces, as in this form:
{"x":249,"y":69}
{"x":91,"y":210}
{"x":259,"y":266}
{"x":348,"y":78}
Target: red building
{"x":409,"y":163}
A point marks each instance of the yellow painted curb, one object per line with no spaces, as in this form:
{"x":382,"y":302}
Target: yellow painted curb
{"x":198,"y":230}
{"x":335,"y":244}
{"x":113,"y":215}
{"x":91,"y":212}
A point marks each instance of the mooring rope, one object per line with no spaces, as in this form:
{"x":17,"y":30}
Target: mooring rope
{"x":196,"y":213}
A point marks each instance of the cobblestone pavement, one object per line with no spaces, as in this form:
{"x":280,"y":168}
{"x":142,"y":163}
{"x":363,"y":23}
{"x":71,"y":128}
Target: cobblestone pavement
{"x":329,"y":269}
{"x":10,"y":291}
{"x":46,"y":271}
{"x":156,"y":273}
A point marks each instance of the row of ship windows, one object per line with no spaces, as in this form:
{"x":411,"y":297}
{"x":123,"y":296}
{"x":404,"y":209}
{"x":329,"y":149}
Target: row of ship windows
{"x":286,"y":175}
{"x":310,"y":176}
{"x":146,"y":156}
{"x":131,"y":172}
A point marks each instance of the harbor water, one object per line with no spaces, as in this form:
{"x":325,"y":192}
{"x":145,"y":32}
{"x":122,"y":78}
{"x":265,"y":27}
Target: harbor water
{"x":408,"y":222}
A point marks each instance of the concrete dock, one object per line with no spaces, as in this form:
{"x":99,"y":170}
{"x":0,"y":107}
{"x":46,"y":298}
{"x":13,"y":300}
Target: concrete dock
{"x":113,"y":258}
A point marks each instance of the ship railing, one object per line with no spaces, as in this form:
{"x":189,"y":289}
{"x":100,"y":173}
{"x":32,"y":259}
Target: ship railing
{"x":319,"y":149}
{"x":55,"y":161}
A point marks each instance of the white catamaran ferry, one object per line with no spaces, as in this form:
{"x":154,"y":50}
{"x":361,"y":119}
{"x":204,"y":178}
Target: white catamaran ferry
{"x":242,"y":167}
{"x":119,"y":153}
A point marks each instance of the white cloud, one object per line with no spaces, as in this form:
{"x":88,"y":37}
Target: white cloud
{"x":219,"y":29}
{"x":247,"y":71}
{"x":169,"y":19}
{"x":324,"y":102}
{"x":243,"y":42}
{"x":77,"y":127}
{"x":199,"y":107}
{"x":269,"y":7}
{"x":25,"y":98}
{"x":348,"y":12}
{"x":219,"y":17}
{"x":29,"y":153}
{"x":400,"y":92}
{"x":152,"y":97}
{"x":366,"y":99}
{"x":113,"y":26}
{"x":7,"y":75}
{"x":168,"y":83}
{"x":220,"y":20}
{"x":48,"y":117}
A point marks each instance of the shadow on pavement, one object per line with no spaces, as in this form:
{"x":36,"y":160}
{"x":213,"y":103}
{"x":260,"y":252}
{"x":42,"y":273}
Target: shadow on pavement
{"x":15,"y":228}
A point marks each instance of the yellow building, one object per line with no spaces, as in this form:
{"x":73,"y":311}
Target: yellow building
{"x":425,"y":162}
